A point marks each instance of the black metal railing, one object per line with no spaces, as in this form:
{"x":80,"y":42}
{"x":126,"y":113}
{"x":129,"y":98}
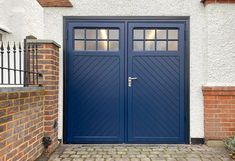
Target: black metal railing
{"x":19,"y":63}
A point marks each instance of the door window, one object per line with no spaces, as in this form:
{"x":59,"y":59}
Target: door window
{"x":154,"y":39}
{"x":96,"y":39}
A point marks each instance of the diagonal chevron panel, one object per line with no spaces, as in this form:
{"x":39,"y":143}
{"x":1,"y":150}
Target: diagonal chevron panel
{"x":156,"y":97}
{"x":96,"y":88}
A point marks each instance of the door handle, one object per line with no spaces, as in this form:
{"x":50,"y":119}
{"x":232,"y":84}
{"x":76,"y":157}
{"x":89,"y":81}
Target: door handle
{"x":130,"y":80}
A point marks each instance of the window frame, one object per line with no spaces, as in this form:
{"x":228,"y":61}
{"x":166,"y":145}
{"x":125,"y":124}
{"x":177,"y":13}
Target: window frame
{"x":97,"y":39}
{"x":156,"y":39}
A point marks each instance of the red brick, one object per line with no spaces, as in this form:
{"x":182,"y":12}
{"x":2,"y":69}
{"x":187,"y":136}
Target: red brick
{"x":24,"y":94}
{"x":2,"y":112}
{"x":5,"y":119}
{"x":24,"y":107}
{"x":11,"y":154}
{"x":6,"y":103}
{"x":3,"y":96}
{"x":219,"y":111}
{"x":2,"y":128}
{"x":18,"y":102}
{"x":12,"y":110}
{"x":34,"y":94}
{"x":13,"y":95}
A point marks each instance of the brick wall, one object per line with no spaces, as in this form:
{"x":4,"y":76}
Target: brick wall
{"x":219,"y":112}
{"x":29,"y":115}
{"x":21,"y":124}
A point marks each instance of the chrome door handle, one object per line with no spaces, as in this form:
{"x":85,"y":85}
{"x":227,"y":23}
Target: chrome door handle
{"x":130,"y":80}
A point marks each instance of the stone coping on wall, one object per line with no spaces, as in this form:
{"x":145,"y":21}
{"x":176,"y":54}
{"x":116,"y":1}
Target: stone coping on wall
{"x":218,"y":90}
{"x":42,"y":41}
{"x":20,"y":89}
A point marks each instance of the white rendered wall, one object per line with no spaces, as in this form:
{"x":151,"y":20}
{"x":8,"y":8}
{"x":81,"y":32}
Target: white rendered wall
{"x":53,"y":19}
{"x":22,"y":18}
{"x":221,"y":45}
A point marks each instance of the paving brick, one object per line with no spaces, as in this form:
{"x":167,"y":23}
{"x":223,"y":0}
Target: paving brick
{"x":138,"y":153}
{"x":78,"y":159}
{"x":100,"y":159}
{"x":158,"y":159}
{"x":135,"y":159}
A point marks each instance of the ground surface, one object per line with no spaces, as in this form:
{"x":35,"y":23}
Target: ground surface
{"x":125,"y":152}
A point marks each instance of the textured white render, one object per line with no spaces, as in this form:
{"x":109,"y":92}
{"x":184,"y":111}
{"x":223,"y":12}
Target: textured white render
{"x":221,"y":44}
{"x":22,"y":18}
{"x":53,"y":18}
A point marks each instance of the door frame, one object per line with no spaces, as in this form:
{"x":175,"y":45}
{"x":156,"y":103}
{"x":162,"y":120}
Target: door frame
{"x":182,"y":19}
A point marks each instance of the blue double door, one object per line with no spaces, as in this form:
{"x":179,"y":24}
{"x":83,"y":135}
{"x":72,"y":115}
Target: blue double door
{"x":125,"y":82}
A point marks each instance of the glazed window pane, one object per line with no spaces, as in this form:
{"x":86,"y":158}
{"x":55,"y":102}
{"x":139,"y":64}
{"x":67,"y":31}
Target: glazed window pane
{"x":114,"y":34}
{"x":149,"y":45}
{"x":113,"y":46}
{"x":103,"y":45}
{"x":161,"y":46}
{"x":102,"y":34}
{"x":161,"y":34}
{"x":150,"y":34}
{"x":90,"y":34}
{"x":138,"y":34}
{"x":79,"y":45}
{"x":90,"y":45}
{"x":138,"y":45}
{"x":79,"y":33}
{"x":172,"y":34}
{"x":172,"y":45}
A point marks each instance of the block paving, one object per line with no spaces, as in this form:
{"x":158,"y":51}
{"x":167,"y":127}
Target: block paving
{"x":143,"y":152}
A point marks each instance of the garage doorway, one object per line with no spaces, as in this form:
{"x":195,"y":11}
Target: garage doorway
{"x":126,"y":81}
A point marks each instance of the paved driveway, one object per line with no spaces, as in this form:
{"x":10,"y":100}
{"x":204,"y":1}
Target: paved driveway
{"x":126,"y":152}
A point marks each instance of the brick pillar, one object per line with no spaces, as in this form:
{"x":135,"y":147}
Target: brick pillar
{"x":48,"y":62}
{"x":219,"y":112}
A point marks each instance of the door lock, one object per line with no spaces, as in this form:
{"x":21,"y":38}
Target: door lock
{"x":130,"y":80}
